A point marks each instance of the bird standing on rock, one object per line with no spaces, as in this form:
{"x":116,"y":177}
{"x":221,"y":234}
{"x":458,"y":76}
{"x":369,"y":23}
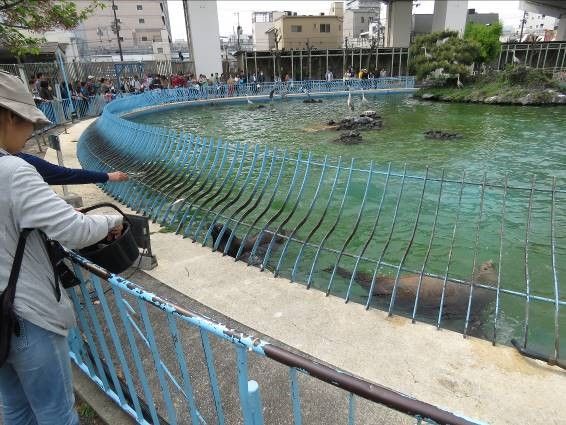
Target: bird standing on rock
{"x":349,"y":103}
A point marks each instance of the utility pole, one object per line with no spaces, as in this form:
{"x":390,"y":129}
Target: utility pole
{"x":117,"y":31}
{"x":523,"y":22}
{"x":238,"y":29}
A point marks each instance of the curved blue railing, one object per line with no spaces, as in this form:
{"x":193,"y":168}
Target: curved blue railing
{"x":390,"y":239}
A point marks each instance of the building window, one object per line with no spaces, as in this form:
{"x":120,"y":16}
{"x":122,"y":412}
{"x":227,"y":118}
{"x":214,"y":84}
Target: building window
{"x":160,"y":50}
{"x":139,"y":7}
{"x":362,"y":19}
{"x":324,"y":27}
{"x":141,"y":21}
{"x":296,"y":28}
{"x":144,"y":38}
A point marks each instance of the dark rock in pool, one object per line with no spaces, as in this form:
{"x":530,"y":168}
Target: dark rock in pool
{"x":350,"y":138}
{"x":255,"y":107}
{"x":370,"y":114}
{"x":441,"y":135}
{"x":312,"y":101}
{"x":365,"y":121}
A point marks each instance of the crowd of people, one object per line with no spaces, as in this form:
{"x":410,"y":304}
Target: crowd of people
{"x":43,"y":89}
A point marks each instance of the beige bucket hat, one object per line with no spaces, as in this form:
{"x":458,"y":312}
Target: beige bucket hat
{"x":14,"y":95}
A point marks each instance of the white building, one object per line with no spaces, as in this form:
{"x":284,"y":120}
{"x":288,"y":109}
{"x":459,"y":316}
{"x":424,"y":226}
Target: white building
{"x":536,"y":24}
{"x":358,"y":17}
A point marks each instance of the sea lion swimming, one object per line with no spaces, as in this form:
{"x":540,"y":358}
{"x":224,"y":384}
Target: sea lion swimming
{"x":456,"y":295}
{"x":261,"y":250}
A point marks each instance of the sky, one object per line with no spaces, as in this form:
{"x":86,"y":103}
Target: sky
{"x":228,"y":11}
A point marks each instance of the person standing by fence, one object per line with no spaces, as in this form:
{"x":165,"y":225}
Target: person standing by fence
{"x":35,"y":374}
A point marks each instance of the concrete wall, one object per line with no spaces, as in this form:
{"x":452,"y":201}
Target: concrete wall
{"x":422,"y":23}
{"x":310,"y":31}
{"x":204,"y":35}
{"x":399,"y":20}
{"x":561,"y":33}
{"x":450,"y":15}
{"x":337,"y":9}
{"x":483,"y":18}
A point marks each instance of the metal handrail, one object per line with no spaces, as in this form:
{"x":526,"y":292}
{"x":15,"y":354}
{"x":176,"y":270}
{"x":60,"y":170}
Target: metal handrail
{"x":298,"y":362}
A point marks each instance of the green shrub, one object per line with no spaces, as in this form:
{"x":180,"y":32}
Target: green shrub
{"x":487,"y":36}
{"x":520,"y":75}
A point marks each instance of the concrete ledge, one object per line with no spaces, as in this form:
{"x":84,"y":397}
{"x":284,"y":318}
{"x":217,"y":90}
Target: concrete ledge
{"x":104,"y":406}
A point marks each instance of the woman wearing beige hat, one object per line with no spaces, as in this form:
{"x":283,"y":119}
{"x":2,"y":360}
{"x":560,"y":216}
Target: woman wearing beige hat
{"x":35,"y":377}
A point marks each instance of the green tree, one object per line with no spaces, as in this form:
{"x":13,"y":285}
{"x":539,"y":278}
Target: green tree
{"x":443,"y":50}
{"x":488,"y":38}
{"x":23,"y":21}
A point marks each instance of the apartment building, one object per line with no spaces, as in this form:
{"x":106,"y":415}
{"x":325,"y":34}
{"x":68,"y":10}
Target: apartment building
{"x":358,"y":16}
{"x":144,"y":28}
{"x":261,"y":22}
{"x":298,"y":32}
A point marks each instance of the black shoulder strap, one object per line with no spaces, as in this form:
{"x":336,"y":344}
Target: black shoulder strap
{"x":10,"y":291}
{"x":53,"y":260}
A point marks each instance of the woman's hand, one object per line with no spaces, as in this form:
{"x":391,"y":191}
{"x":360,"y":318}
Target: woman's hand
{"x":117,"y":176}
{"x":115,"y":233}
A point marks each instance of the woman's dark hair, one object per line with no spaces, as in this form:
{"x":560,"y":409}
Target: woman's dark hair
{"x":44,"y":84}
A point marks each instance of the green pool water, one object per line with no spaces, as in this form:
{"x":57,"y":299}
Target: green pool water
{"x":517,"y":143}
{"x":497,"y":140}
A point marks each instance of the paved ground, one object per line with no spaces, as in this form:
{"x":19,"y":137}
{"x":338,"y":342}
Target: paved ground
{"x":464,"y":375}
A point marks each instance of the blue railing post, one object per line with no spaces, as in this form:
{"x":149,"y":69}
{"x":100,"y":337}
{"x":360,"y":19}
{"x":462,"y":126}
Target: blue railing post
{"x":254,"y":403}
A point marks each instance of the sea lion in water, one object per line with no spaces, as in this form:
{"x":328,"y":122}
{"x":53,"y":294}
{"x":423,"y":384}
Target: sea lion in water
{"x":248,"y":245}
{"x":456,"y":295}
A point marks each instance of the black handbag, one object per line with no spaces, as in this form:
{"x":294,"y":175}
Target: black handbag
{"x":9,"y":324}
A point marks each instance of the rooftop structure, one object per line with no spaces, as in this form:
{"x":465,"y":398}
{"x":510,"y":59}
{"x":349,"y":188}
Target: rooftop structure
{"x":299,"y":32}
{"x":262,"y":21}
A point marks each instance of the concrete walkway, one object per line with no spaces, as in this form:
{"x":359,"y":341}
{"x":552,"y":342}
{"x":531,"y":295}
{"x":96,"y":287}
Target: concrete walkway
{"x":468,"y":376}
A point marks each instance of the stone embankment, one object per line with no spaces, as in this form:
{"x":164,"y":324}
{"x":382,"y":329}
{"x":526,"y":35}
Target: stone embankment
{"x":507,"y":96}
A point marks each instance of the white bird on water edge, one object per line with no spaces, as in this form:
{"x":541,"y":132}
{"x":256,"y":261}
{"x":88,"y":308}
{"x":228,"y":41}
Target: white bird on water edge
{"x":364,"y":100}
{"x":349,"y":103}
{"x":249,"y":101}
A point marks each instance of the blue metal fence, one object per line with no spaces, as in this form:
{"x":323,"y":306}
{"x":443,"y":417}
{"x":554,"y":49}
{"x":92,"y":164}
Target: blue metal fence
{"x":163,"y":363}
{"x":299,"y":216}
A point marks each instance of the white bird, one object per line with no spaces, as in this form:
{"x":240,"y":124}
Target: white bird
{"x":249,"y":101}
{"x":458,"y":82}
{"x":516,"y":59}
{"x":364,"y":100}
{"x":349,"y":103}
{"x":427,"y":55}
